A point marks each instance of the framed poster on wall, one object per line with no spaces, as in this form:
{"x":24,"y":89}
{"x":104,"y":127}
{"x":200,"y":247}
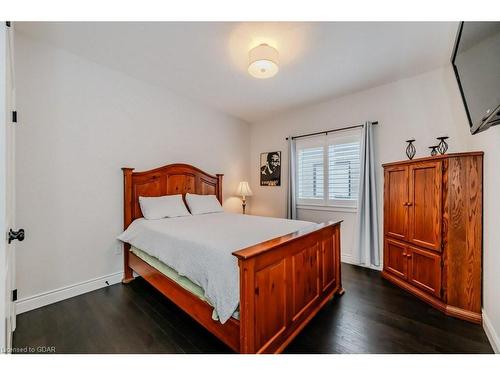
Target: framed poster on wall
{"x":270,"y":168}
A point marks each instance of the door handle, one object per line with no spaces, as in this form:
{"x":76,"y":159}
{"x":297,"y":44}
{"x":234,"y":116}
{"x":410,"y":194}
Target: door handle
{"x":15,"y":235}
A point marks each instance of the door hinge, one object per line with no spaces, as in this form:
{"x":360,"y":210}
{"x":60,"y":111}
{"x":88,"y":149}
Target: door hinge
{"x":14,"y":295}
{"x":7,"y":23}
{"x":14,"y":116}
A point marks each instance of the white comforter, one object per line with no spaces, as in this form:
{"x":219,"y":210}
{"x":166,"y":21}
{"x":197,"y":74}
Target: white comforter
{"x":200,"y":246}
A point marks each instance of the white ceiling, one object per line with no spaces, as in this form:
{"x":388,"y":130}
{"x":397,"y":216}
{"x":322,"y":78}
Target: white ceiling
{"x":207,"y":61}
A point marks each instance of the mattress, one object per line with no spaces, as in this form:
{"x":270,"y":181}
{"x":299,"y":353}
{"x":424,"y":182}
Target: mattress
{"x":200,"y":247}
{"x":178,"y":279}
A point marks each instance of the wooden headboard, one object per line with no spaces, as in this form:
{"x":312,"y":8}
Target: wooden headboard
{"x":168,"y":180}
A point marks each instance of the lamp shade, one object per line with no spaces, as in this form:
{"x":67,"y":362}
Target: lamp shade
{"x":244,"y":189}
{"x":263,"y":61}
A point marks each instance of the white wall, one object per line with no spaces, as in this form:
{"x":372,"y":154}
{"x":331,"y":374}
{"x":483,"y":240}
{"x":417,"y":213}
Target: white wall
{"x":422,"y":107}
{"x":79,"y":123}
{"x":489,"y":142}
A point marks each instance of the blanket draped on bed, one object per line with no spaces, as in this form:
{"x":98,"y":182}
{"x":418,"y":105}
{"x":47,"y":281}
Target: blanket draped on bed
{"x":200,"y":248}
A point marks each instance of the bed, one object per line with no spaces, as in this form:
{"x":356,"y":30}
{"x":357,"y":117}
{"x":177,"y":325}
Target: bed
{"x":277,"y":274}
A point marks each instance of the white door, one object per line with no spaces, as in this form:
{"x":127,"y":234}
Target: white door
{"x":7,"y":95}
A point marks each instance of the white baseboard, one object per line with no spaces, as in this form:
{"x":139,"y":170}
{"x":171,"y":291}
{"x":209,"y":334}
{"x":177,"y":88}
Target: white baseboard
{"x":491,"y":333}
{"x":56,"y":295}
{"x":348,"y":258}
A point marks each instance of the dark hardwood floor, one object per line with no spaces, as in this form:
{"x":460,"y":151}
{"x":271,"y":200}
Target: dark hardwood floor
{"x":372,"y":317}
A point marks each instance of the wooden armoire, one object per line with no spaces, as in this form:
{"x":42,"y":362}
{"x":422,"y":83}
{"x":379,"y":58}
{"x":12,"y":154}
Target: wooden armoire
{"x":433,"y":230}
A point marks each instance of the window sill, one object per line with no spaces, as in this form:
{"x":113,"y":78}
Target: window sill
{"x":314,"y":207}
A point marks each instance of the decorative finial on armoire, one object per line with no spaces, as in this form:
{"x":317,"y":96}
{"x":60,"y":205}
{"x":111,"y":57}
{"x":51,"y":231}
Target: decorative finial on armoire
{"x":410,"y":149}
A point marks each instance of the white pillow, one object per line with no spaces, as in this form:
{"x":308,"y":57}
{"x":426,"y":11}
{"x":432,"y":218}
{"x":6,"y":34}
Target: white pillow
{"x":160,"y":207}
{"x":203,"y":204}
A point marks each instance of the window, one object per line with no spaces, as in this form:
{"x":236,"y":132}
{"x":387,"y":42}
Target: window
{"x":310,"y":173}
{"x":328,"y":169}
{"x":343,"y":176}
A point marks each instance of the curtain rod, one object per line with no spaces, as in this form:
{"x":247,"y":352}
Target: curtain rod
{"x":331,"y":131}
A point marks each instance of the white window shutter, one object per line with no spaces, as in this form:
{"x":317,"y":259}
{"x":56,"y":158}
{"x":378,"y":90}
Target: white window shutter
{"x":343,"y":170}
{"x":310,"y":173}
{"x":328,"y":169}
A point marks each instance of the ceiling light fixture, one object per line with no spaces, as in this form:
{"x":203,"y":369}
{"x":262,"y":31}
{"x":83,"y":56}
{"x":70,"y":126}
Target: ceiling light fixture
{"x":263,"y":61}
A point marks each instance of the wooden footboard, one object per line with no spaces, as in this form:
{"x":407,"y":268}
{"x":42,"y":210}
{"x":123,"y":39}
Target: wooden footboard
{"x":283,"y":284}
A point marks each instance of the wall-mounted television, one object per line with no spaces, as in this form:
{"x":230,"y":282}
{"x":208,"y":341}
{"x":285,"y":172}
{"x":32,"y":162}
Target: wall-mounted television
{"x":476,"y":62}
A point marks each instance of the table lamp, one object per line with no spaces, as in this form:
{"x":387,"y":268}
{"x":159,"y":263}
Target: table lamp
{"x":244,"y":191}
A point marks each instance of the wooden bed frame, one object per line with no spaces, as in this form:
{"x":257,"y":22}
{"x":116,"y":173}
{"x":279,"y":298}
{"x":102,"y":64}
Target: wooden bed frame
{"x":283,"y":282}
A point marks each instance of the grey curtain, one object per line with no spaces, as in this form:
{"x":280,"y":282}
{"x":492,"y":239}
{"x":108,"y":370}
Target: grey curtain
{"x":367,"y":235}
{"x":291,"y":205}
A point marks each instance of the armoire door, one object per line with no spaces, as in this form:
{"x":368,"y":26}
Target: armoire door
{"x":424,"y":270}
{"x":395,"y":258}
{"x":395,"y":202}
{"x":424,"y":206}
